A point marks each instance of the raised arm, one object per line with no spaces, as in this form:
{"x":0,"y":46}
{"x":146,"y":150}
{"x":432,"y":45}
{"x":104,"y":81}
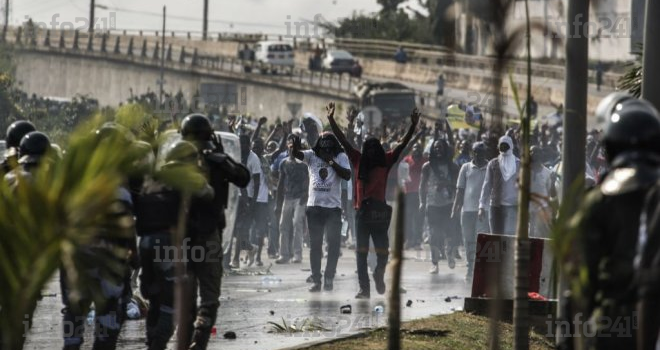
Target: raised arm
{"x":330,"y":108}
{"x":351,"y":114}
{"x":414,"y":120}
{"x":450,"y":134}
{"x":256,"y":132}
{"x":276,"y":129}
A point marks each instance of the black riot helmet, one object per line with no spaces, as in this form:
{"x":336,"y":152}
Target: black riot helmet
{"x":112,"y":130}
{"x":183,"y":152}
{"x":33,"y":146}
{"x":632,"y":125}
{"x":196,"y":127}
{"x":16,"y":131}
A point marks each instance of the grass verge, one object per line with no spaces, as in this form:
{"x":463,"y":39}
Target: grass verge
{"x":457,"y":331}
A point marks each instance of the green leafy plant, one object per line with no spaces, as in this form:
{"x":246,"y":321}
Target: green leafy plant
{"x":631,"y":80}
{"x":307,"y":325}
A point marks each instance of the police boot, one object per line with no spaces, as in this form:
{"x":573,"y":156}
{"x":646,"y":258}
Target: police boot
{"x":200,"y":339}
{"x":202,"y":333}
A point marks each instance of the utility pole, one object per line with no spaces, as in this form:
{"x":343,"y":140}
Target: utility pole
{"x":6,"y":13}
{"x":161,"y":81}
{"x":205,"y":26}
{"x":6,"y":26}
{"x":650,"y":68}
{"x":91,"y":17}
{"x":575,"y":123}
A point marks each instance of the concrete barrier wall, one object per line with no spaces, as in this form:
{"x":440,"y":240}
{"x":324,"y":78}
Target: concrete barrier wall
{"x":110,"y":81}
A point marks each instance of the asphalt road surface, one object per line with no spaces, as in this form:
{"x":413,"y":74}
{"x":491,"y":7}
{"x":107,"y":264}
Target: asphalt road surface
{"x":249,"y":303}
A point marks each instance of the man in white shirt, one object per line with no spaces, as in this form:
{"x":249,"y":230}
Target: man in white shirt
{"x":500,"y":190}
{"x":247,"y":201}
{"x":466,"y":203}
{"x":259,"y":210}
{"x":328,"y":165}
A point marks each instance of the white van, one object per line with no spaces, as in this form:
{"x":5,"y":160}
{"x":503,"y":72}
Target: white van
{"x":276,"y":53}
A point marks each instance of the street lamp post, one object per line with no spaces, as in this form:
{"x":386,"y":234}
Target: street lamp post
{"x":161,"y":81}
{"x":91,"y":17}
{"x":205,"y":26}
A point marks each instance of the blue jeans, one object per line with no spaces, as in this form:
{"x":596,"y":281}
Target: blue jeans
{"x":471,"y":226}
{"x":503,"y":219}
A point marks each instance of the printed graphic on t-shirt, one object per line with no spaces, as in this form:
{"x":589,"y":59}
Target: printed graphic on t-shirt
{"x":321,"y":184}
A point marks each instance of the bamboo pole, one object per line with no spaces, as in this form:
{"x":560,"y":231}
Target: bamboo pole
{"x":182,"y":290}
{"x":520,"y":298}
{"x":394,"y":338}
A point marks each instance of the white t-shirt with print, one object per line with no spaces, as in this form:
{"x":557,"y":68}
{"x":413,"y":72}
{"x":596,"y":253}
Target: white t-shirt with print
{"x":254,"y":167}
{"x":324,"y":183}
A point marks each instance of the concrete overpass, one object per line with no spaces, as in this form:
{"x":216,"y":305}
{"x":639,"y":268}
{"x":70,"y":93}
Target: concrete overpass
{"x":109,"y":65}
{"x":111,"y":72}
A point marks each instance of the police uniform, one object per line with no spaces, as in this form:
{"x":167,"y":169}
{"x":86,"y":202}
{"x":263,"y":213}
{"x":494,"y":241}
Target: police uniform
{"x":647,"y":267}
{"x":206,"y":221}
{"x":608,"y":222}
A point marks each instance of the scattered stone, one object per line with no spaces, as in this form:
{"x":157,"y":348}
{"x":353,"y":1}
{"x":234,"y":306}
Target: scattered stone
{"x":272,"y":313}
{"x":229,"y":335}
{"x":409,"y":303}
{"x":346,"y":309}
{"x":448,"y":299}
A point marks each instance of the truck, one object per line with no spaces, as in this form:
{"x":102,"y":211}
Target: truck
{"x":392,"y":101}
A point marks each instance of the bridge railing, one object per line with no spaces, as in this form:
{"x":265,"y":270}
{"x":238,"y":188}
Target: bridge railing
{"x":428,"y":55}
{"x":148,"y":50}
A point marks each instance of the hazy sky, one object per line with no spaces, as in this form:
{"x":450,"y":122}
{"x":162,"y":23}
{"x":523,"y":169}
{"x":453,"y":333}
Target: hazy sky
{"x":267,"y":16}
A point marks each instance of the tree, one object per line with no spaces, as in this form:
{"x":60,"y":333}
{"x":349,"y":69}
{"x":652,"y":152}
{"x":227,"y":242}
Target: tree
{"x":389,"y":6}
{"x":631,"y":80}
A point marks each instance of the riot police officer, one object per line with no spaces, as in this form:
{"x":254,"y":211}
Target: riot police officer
{"x":157,"y":207}
{"x":206,"y":221}
{"x":32,"y":148}
{"x":608,"y":222}
{"x":647,"y":267}
{"x":15,"y":133}
{"x":106,"y":279}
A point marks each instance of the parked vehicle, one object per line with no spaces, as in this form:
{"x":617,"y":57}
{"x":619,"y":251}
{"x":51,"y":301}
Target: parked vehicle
{"x":394,"y":101}
{"x":338,"y":61}
{"x":275,"y":55}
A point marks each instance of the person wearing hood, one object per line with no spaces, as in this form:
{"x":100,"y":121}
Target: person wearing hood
{"x":436,"y":196}
{"x":500,"y":190}
{"x":373,"y":216}
{"x":466,"y":204}
{"x":327,"y":165}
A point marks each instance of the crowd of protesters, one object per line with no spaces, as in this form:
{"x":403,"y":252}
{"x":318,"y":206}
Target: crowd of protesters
{"x":325,"y":184}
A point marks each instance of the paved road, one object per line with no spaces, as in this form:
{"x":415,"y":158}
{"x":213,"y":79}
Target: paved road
{"x":247,"y":302}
